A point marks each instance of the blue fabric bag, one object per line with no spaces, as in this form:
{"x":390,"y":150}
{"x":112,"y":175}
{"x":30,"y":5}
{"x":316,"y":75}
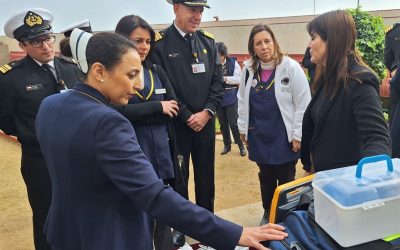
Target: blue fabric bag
{"x":302,"y":235}
{"x":305,"y":234}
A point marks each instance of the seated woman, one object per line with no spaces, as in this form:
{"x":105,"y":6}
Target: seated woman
{"x":103,"y":185}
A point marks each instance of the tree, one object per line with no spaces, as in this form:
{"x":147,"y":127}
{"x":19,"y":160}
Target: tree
{"x":370,"y":41}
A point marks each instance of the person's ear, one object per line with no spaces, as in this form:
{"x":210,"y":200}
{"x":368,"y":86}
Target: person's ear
{"x":99,"y":71}
{"x":176,"y":8}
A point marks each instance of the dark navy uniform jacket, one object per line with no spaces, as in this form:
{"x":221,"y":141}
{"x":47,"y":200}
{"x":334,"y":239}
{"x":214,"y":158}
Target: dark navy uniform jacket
{"x":102,"y":182}
{"x":22,"y":88}
{"x":392,"y":47}
{"x":196,"y":91}
{"x":151,"y":128}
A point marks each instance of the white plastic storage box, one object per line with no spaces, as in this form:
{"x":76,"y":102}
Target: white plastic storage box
{"x":354,"y":210}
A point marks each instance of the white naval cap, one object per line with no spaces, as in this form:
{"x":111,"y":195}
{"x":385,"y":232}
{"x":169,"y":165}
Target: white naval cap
{"x":190,"y":3}
{"x":29,"y":24}
{"x":83,"y":25}
{"x":78,"y":42}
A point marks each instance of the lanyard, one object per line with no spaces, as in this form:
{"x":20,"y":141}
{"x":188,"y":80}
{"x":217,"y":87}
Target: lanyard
{"x":151,"y":88}
{"x":259,"y":80}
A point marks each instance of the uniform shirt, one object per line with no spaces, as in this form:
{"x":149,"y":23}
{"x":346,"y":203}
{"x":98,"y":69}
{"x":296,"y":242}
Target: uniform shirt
{"x":22,"y":89}
{"x":196,"y":91}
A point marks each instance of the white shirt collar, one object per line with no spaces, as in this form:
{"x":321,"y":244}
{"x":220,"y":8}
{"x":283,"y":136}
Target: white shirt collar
{"x":180,"y":31}
{"x":51,"y":63}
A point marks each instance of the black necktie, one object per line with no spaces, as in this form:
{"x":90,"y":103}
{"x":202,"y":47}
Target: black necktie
{"x":188,"y":38}
{"x":47,"y":68}
{"x":60,"y":83}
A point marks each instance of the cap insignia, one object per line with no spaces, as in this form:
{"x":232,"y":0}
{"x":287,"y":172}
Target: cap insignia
{"x":32,"y":19}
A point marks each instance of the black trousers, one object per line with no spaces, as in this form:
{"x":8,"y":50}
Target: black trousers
{"x":273,"y":175}
{"x":200,"y":146}
{"x":227,"y":118}
{"x":38,"y":184}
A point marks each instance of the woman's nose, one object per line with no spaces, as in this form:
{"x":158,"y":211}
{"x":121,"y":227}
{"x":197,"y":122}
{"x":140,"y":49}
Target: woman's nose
{"x":138,"y":84}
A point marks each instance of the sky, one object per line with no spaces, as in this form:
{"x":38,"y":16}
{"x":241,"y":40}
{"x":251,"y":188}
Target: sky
{"x":104,"y":14}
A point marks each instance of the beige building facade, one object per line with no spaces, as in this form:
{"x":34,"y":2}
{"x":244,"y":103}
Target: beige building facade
{"x":290,"y":32}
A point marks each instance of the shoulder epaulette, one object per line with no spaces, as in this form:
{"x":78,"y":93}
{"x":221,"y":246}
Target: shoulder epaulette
{"x":67,"y":59}
{"x":389,"y":28}
{"x":159,"y":35}
{"x":8,"y":67}
{"x":392,"y":27}
{"x":207,"y":34}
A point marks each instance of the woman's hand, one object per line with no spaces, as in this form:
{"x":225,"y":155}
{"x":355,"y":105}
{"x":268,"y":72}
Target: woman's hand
{"x":170,"y":108}
{"x":296,"y":146}
{"x":251,"y":236}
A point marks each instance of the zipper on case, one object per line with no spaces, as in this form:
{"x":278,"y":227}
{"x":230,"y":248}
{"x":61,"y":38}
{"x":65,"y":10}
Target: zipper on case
{"x":285,"y":244}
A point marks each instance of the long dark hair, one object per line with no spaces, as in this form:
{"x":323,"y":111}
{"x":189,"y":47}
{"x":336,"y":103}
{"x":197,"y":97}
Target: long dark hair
{"x":128,"y":24}
{"x":277,"y":56}
{"x":338,"y":30}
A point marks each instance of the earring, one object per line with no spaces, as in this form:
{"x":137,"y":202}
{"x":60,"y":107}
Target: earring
{"x":101,"y":80}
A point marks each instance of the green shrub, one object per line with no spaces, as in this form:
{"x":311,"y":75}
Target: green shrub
{"x":370,"y":40}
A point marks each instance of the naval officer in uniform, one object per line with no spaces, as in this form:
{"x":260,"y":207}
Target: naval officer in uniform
{"x":23,"y":86}
{"x":190,"y":58}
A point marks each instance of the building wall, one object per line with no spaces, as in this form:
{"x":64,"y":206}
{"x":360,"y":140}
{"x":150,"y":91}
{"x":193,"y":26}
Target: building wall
{"x":290,"y":31}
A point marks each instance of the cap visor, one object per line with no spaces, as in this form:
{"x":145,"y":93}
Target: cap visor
{"x":191,"y":4}
{"x":37,"y":34}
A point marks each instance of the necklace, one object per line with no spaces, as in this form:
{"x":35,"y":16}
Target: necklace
{"x":151,"y":88}
{"x":91,"y":97}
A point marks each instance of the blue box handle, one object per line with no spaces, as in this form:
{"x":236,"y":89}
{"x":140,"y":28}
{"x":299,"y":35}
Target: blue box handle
{"x":371,"y":159}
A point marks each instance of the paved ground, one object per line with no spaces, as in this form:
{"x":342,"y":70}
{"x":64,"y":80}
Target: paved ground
{"x":237,"y":194}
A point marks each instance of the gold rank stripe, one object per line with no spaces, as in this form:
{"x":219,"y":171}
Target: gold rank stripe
{"x":5,"y":68}
{"x":158,"y":36}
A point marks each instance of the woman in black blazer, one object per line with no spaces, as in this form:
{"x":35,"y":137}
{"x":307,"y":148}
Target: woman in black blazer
{"x":344,"y":120}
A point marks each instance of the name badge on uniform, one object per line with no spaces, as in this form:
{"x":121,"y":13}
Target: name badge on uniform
{"x":33,"y":87}
{"x":198,"y":68}
{"x":160,"y":91}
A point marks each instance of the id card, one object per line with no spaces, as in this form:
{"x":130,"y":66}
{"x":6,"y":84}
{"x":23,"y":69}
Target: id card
{"x":198,"y":68}
{"x":160,"y":91}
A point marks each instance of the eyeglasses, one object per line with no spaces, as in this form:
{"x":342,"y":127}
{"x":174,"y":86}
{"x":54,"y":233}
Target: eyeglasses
{"x":38,"y":43}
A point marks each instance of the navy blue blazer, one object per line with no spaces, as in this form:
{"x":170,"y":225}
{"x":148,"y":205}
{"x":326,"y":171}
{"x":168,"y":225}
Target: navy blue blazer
{"x":103,"y":185}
